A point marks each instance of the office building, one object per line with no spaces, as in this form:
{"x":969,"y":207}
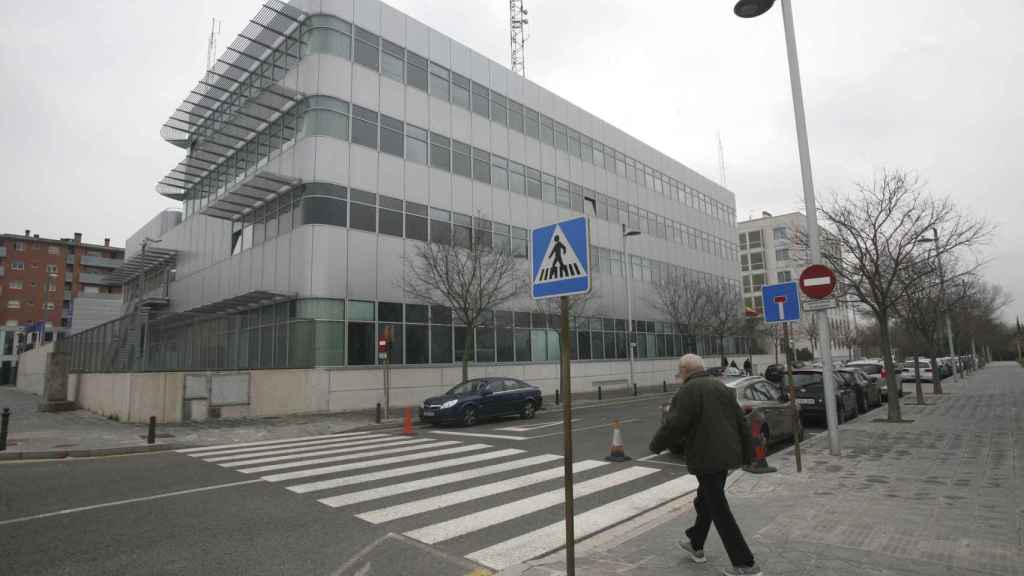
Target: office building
{"x":334,"y":136}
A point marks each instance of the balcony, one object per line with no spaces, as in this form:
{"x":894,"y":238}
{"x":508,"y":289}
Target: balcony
{"x":67,"y":294}
{"x":101,"y":262}
{"x":3,"y":251}
{"x":92,"y":278}
{"x":69,"y":259}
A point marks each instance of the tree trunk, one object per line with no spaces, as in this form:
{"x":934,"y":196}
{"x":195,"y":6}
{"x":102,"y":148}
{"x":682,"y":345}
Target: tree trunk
{"x":470,"y":330}
{"x":918,"y":391}
{"x":936,"y":373}
{"x":892,"y":389}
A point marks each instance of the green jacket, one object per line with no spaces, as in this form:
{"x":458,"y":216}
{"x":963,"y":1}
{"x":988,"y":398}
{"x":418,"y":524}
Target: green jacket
{"x":715,"y":432}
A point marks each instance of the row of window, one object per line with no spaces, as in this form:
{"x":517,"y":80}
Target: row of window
{"x":16,"y":305}
{"x":327,"y":116}
{"x":333,"y":205}
{"x":321,"y":332}
{"x":331,"y":35}
{"x":19,"y":246}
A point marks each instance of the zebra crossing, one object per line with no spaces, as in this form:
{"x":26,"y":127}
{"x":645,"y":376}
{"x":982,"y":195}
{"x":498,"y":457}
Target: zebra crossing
{"x":495,"y":506}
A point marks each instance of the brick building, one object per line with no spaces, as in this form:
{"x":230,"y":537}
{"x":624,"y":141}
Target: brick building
{"x":39,"y":279}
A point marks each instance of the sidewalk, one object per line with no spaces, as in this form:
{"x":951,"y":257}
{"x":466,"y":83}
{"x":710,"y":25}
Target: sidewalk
{"x":941,"y":495}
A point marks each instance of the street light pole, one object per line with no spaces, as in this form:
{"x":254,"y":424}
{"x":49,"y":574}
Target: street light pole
{"x":630,"y":345}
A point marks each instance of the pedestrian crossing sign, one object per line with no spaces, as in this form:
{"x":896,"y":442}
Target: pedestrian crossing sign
{"x":560,"y":259}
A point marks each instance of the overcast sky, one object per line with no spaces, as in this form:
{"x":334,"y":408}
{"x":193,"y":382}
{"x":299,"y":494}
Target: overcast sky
{"x":925,"y":85}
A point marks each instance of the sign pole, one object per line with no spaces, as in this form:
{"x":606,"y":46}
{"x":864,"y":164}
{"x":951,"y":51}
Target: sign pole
{"x":792,"y":400}
{"x":570,"y":553}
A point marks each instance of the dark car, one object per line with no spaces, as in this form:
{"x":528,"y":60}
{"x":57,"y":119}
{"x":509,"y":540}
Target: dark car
{"x":869,"y":393}
{"x":481,"y":398}
{"x":810,"y":395}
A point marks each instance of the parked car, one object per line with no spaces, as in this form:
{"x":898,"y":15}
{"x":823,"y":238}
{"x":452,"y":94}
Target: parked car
{"x":757,"y":394}
{"x":909,"y":374}
{"x":874,"y":369}
{"x":869,"y":392}
{"x":482,"y":398}
{"x":810,"y":395}
{"x":775,"y":372}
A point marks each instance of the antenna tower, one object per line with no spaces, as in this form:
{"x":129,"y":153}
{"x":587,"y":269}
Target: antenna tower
{"x":211,"y":47}
{"x":517,"y":15}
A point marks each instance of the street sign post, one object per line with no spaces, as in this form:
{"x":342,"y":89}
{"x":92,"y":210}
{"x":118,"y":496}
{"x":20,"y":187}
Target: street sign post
{"x":817,"y":281}
{"x":560,"y":266}
{"x":781,"y":302}
{"x":813,"y":305}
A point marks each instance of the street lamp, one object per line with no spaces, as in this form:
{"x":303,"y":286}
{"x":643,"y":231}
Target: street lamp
{"x":629,"y":299}
{"x":942,"y":296}
{"x":751,"y":9}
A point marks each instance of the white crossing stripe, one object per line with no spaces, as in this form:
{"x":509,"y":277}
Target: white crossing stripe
{"x":433,"y":482}
{"x":373,"y":441}
{"x":489,"y":517}
{"x":347,"y":457}
{"x":404,"y":471}
{"x":444,"y":500}
{"x":267,"y":442}
{"x":377,"y":445}
{"x":552,"y":537}
{"x":478,"y":435}
{"x":255,"y":447}
{"x":530,"y":427}
{"x":357,"y":465}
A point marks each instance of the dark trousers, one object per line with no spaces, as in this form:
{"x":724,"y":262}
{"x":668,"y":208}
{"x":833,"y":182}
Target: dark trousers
{"x":712,"y":507}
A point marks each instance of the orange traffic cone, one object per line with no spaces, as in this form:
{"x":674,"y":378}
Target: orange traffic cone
{"x":618,"y":451}
{"x":760,"y":463}
{"x":407,"y":426}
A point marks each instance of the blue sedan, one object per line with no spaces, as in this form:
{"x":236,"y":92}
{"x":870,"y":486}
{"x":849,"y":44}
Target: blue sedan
{"x":481,"y":398}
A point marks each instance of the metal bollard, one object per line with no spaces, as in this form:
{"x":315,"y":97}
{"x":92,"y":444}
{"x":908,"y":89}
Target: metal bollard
{"x":5,"y":420}
{"x":664,"y":386}
{"x":151,"y":435}
{"x":598,"y":392}
{"x":556,"y":396}
{"x":635,"y":393}
{"x":378,"y":413}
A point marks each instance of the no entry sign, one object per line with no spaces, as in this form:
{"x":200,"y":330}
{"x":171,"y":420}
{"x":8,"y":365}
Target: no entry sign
{"x":817,"y":281}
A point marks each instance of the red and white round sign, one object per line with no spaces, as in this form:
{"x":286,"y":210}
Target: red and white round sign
{"x":817,"y":281}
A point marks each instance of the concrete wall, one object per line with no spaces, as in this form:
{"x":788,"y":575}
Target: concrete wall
{"x":32,"y":369}
{"x":130,"y":397}
{"x":91,"y":310}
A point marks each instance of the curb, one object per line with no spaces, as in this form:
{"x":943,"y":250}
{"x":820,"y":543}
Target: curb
{"x":86,"y":452}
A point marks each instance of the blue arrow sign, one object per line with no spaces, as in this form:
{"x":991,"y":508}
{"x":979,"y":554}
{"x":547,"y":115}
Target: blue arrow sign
{"x":560,"y":259}
{"x":781,"y":302}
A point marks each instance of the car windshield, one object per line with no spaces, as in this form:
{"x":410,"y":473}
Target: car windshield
{"x":467,"y":387}
{"x":806,"y":378}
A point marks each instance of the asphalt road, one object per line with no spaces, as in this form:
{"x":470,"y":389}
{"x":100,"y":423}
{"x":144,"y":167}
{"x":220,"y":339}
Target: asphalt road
{"x":372,"y":503}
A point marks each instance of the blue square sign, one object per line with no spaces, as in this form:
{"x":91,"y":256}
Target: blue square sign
{"x":781,"y":302}
{"x":560,"y":259}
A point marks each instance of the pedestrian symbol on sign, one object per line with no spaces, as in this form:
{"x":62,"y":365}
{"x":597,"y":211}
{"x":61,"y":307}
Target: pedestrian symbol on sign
{"x":560,"y":261}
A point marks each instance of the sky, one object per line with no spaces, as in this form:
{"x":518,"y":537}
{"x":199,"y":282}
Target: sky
{"x":930,"y":86}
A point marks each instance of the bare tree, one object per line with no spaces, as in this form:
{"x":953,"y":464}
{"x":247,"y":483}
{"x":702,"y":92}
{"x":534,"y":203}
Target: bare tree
{"x":845,"y":334}
{"x":808,"y":328}
{"x":467,"y":276}
{"x":877,"y":232}
{"x":724,"y":311}
{"x":682,"y":298}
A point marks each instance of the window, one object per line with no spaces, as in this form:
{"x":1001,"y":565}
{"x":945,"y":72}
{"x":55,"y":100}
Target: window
{"x":14,"y":304}
{"x":482,"y":232}
{"x":415,"y":221}
{"x":548,"y":188}
{"x":325,"y":116}
{"x":754,"y":239}
{"x":574,"y":143}
{"x":49,"y":305}
{"x":389,"y":217}
{"x":561,"y":141}
{"x":587,"y":149}
{"x":757,"y":260}
{"x":516,"y":177}
{"x":502,"y":238}
{"x":322,"y":203}
{"x":547,"y":130}
{"x":532,"y":119}
{"x":499,"y":172}
{"x":499,"y":108}
{"x":780,"y":233}
{"x":515,"y":116}
{"x":416,"y":144}
{"x":362,"y":345}
{"x":744,"y":263}
{"x":440,"y":152}
{"x":439,"y":82}
{"x":391,"y":136}
{"x":519,"y":246}
{"x":51,"y":268}
{"x":367,"y":48}
{"x":782,"y":254}
{"x":533,"y":186}
{"x":481,"y":166}
{"x":440,"y":335}
{"x":17,"y":265}
{"x":562,"y":193}
{"x":460,"y":90}
{"x":416,"y":71}
{"x":364,"y":126}
{"x":51,"y":286}
{"x":756,"y":281}
{"x":461,"y":159}
{"x":481,"y":98}
{"x":440,"y":226}
{"x":785,"y":276}
{"x":327,"y":35}
{"x":392,"y":61}
{"x":53,"y":250}
{"x":363,"y":210}
{"x":15,"y":285}
{"x":462,"y":230}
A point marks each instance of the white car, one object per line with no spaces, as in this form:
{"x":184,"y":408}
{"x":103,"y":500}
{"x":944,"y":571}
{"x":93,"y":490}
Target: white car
{"x":908,"y":374}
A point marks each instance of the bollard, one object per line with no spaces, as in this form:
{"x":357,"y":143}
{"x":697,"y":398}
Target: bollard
{"x":635,"y":393}
{"x":598,"y":392}
{"x":664,"y":386}
{"x":378,"y":413}
{"x":556,"y":396}
{"x":151,"y":435}
{"x":5,"y":419}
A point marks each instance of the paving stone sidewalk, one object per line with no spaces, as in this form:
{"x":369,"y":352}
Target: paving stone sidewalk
{"x":940,"y":495}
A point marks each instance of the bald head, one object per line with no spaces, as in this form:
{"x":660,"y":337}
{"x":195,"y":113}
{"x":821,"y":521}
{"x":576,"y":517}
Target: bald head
{"x":689,"y":364}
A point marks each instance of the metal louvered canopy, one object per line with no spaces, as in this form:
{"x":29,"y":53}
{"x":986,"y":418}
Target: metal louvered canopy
{"x":141,"y":262}
{"x":248,"y":194}
{"x":232,"y":305}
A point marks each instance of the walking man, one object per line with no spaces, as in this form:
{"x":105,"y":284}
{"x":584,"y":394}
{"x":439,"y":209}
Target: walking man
{"x":716,"y":439}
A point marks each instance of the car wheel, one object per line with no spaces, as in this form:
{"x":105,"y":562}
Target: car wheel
{"x":529,"y":410}
{"x":469,"y":416}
